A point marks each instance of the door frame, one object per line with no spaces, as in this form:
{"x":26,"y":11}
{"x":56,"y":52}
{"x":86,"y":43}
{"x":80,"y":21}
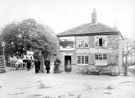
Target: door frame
{"x":65,"y":65}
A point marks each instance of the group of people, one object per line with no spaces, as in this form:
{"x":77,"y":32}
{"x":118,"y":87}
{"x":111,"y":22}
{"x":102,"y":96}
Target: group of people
{"x":42,"y":63}
{"x":27,"y":61}
{"x":19,"y":62}
{"x":46,"y":65}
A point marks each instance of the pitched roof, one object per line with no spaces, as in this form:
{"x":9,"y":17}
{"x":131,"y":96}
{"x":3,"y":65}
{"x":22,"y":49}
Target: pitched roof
{"x":89,"y":29}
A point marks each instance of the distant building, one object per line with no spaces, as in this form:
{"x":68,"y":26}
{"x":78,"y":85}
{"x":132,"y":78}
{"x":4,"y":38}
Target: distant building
{"x":91,"y":47}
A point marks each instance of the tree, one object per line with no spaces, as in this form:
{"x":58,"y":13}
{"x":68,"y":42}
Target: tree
{"x":28,"y":35}
{"x":127,"y":52}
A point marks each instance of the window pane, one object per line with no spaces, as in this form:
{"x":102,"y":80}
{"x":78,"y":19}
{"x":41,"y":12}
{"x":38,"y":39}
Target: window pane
{"x":86,"y":44}
{"x":100,"y":56}
{"x":86,"y":59}
{"x":96,"y":56}
{"x":78,"y":59}
{"x":82,"y":59}
{"x":104,"y":56}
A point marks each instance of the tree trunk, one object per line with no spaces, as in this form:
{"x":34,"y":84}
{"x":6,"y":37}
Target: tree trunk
{"x":125,"y":72}
{"x":125,"y":68}
{"x":42,"y":65}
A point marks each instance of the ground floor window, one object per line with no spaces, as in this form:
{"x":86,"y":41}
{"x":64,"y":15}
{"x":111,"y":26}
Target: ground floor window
{"x":82,"y":59}
{"x":100,"y":56}
{"x":100,"y":59}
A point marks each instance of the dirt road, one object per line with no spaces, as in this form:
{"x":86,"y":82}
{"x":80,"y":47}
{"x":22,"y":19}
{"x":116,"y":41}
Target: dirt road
{"x":27,"y":84}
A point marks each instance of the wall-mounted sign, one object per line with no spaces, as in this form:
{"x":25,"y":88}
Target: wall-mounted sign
{"x":67,"y":43}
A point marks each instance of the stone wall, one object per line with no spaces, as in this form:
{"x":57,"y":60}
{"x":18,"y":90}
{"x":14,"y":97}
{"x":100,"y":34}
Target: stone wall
{"x":112,"y":51}
{"x":113,"y":41}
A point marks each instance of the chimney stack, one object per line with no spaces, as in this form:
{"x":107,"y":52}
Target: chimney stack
{"x":94,"y":16}
{"x":115,"y":27}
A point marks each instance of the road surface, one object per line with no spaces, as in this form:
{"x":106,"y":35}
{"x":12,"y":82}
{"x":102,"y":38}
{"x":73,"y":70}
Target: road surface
{"x":27,"y":84}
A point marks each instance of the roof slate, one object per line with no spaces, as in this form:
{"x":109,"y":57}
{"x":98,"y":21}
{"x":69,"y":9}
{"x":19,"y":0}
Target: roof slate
{"x":89,"y":29}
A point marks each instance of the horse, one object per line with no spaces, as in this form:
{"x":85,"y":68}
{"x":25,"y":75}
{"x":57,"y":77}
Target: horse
{"x":19,"y":63}
{"x":16,"y":63}
{"x":12,"y":61}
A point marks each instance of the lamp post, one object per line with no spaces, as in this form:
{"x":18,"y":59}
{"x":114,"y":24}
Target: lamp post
{"x":3,"y":45}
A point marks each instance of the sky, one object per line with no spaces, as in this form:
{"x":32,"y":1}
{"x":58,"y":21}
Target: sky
{"x":62,"y":15}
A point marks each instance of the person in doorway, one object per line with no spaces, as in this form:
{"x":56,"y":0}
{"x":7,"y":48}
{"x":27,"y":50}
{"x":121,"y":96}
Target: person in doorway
{"x":69,"y":66}
{"x":37,"y":65}
{"x":56,"y":65}
{"x":47,"y":64}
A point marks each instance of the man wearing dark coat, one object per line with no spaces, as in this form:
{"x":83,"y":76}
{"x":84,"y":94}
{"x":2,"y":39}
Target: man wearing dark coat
{"x":47,"y":64}
{"x":37,"y":65}
{"x":28,"y":65}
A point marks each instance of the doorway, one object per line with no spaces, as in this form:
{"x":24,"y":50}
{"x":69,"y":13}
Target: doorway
{"x":68,"y":66}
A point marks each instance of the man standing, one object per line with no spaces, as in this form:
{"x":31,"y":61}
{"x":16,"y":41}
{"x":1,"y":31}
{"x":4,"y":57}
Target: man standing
{"x":28,"y":64}
{"x":47,"y":64}
{"x":37,"y":65}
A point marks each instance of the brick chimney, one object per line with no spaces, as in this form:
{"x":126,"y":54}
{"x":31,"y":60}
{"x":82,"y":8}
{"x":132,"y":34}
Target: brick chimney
{"x":94,"y":17}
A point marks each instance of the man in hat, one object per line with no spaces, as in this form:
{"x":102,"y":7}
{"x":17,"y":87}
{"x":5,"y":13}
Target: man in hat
{"x":47,"y":64}
{"x":37,"y":65}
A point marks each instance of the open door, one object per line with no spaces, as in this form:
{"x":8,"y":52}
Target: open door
{"x":68,"y":66}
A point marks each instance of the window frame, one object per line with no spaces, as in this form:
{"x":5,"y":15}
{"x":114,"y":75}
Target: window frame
{"x":101,"y":41}
{"x":101,"y":56}
{"x":82,"y":60}
{"x":80,"y":42}
{"x":102,"y":59}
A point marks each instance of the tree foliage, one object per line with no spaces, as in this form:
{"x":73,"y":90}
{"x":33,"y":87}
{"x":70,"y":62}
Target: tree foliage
{"x":28,"y":35}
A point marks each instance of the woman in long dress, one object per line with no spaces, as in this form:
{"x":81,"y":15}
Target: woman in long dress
{"x":41,"y":60}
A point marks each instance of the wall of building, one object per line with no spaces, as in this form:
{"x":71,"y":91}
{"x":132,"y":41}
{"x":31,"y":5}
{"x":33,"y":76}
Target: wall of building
{"x":112,"y":51}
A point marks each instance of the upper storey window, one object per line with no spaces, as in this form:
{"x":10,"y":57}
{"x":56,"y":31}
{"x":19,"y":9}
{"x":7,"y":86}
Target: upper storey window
{"x":82,"y":42}
{"x":101,"y":41}
{"x":67,"y":43}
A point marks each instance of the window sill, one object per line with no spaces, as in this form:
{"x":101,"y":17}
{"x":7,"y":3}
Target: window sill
{"x":82,"y":64}
{"x":82,"y":47}
{"x":99,"y":47}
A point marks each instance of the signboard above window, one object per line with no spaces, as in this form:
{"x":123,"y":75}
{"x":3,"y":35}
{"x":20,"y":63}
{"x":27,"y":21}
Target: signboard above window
{"x":82,"y":42}
{"x":101,"y":41}
{"x":67,"y":43}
